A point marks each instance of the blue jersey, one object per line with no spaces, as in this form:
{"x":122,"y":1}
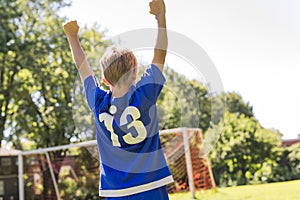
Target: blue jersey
{"x":131,"y":156}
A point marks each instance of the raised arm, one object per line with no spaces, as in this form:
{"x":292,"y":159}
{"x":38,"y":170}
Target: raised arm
{"x":71,"y":30}
{"x":157,"y":8}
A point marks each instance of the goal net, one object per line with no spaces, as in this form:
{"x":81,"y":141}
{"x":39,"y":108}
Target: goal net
{"x":72,"y":171}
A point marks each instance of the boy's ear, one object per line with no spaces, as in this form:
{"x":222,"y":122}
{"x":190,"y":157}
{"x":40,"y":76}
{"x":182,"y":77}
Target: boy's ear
{"x":105,"y":82}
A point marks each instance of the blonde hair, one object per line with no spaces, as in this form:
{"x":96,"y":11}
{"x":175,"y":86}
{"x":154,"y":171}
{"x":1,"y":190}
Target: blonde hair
{"x":117,"y":64}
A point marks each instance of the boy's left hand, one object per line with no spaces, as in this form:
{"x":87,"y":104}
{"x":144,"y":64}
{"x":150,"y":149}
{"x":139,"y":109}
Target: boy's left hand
{"x":157,"y":7}
{"x":71,"y":28}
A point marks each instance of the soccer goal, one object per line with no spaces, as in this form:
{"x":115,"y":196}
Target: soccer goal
{"x":72,"y":171}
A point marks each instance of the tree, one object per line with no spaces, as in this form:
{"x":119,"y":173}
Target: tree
{"x":32,"y":36}
{"x":184,"y":103}
{"x":235,"y":104}
{"x":245,"y":152}
{"x":288,"y":167}
{"x":37,"y":75}
{"x":9,"y":63}
{"x":294,"y":159}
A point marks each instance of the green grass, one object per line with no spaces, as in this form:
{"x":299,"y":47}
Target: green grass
{"x":274,"y":191}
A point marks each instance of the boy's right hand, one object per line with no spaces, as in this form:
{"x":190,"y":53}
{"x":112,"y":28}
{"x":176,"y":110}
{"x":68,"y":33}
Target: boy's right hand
{"x":71,"y":28}
{"x":157,"y":7}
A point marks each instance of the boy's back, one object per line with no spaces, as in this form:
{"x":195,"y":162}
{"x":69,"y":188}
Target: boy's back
{"x":132,"y":159}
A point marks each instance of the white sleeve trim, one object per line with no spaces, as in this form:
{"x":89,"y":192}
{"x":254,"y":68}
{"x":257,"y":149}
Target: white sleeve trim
{"x":136,"y":189}
{"x":96,"y":81}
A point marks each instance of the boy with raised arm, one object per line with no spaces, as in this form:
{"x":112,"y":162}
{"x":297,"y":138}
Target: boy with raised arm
{"x":132,"y":163}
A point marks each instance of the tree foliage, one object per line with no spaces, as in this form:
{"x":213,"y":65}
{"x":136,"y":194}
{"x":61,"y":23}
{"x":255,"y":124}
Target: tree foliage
{"x":235,"y":104}
{"x":37,"y":75}
{"x":184,"y":102}
{"x":245,"y":152}
{"x":294,"y":158}
{"x":289,"y":165}
{"x":9,"y":64}
{"x":32,"y":62}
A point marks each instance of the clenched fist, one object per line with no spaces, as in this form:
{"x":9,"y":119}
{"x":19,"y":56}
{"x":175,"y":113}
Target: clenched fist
{"x":71,"y":28}
{"x":157,"y":7}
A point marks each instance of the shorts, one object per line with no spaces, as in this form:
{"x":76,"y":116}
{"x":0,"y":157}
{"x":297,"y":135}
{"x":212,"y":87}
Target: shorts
{"x":160,"y":193}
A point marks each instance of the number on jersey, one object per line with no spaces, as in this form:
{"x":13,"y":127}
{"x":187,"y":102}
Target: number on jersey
{"x":135,"y":114}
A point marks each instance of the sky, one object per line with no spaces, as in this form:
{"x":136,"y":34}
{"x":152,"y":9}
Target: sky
{"x":254,"y":44}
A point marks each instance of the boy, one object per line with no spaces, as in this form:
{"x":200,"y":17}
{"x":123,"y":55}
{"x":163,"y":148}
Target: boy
{"x":132,"y":164}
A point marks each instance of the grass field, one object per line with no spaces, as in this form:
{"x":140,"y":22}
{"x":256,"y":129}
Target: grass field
{"x":274,"y":191}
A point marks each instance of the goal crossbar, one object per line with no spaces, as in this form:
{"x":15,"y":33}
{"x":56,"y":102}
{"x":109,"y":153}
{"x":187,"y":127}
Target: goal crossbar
{"x":45,"y":151}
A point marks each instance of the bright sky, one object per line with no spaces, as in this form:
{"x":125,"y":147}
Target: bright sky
{"x":254,"y":44}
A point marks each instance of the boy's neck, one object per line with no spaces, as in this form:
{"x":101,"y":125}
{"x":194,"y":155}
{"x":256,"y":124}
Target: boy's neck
{"x":119,"y":91}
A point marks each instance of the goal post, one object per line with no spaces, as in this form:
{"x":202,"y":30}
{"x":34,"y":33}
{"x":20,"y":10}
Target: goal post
{"x":182,"y":148}
{"x":188,"y":162}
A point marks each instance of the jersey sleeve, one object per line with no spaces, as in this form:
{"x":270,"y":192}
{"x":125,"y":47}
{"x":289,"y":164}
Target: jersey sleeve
{"x":151,"y":83}
{"x":91,"y":89}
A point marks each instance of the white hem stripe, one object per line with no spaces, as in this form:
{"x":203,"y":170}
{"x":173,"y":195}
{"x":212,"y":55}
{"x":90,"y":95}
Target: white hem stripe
{"x":136,"y":189}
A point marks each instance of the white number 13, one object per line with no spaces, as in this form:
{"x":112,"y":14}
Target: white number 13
{"x":137,"y":124}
